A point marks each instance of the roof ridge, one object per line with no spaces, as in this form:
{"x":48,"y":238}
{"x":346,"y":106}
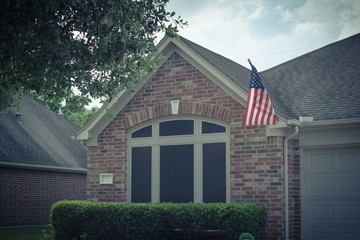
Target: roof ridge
{"x":181,"y":37}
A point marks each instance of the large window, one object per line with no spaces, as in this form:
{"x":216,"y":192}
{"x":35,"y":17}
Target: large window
{"x":178,"y":160}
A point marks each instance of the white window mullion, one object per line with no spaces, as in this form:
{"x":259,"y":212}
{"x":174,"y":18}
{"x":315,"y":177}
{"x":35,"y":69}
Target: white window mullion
{"x":228,"y":197}
{"x":155,"y":167}
{"x":128,"y":175}
{"x":198,"y":173}
{"x":155,"y":174}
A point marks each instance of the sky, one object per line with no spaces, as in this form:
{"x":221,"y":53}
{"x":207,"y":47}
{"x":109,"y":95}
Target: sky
{"x":269,"y":32}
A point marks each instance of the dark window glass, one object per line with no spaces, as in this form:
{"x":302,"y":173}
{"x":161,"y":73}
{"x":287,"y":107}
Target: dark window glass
{"x":141,"y":174}
{"x":143,"y":132}
{"x":208,"y":127}
{"x":214,"y":172}
{"x":177,"y":173}
{"x":176,"y":127}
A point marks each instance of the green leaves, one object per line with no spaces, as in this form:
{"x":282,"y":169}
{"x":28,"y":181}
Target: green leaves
{"x":107,"y":20}
{"x":155,"y":220}
{"x":96,"y":46}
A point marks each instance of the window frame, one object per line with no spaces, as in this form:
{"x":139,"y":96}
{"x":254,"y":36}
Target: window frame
{"x":197,"y":139}
{"x":175,"y":135}
{"x":139,"y":128}
{"x":202,"y":121}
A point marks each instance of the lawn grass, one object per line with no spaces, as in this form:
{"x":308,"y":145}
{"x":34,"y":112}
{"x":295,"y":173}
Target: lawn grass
{"x":23,"y":233}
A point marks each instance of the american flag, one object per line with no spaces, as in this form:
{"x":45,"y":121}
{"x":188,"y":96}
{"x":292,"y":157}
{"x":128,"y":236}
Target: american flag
{"x":259,"y":110}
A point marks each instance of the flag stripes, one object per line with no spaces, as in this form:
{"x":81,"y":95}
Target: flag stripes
{"x":259,"y":110}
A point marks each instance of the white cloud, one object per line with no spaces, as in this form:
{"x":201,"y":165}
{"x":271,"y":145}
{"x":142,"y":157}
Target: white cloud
{"x":335,"y":19}
{"x":268,"y":32}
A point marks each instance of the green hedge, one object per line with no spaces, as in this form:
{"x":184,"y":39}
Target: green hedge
{"x":90,"y":220}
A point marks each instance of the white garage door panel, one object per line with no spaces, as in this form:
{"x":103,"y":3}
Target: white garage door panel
{"x":331,"y":193}
{"x":333,"y":213}
{"x":322,"y":236}
{"x":332,"y":161}
{"x":349,"y":236}
{"x":349,"y":160}
{"x":350,"y":184}
{"x":331,"y":236}
{"x":333,"y":185}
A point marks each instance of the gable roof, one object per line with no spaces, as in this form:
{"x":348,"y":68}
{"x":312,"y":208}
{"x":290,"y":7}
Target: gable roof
{"x":324,"y":83}
{"x":39,"y":138}
{"x":311,"y":85}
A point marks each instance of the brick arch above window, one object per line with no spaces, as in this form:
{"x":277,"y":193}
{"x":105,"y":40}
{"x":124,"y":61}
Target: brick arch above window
{"x":185,"y":108}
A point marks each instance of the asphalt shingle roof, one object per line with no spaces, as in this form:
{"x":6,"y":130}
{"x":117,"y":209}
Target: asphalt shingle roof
{"x":39,"y":137}
{"x":234,"y":71}
{"x":324,"y":83}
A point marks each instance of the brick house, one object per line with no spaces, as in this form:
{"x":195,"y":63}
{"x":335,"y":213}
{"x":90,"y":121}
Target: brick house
{"x":179,"y":137}
{"x":39,"y":164}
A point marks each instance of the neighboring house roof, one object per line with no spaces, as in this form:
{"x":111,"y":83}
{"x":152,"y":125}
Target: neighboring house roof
{"x":324,"y":83}
{"x":40,"y":138}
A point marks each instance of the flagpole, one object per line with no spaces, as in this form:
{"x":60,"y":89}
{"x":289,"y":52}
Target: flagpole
{"x":249,"y":61}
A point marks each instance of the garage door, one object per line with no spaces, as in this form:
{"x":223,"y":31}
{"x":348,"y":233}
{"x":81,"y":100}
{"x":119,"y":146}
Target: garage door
{"x":331,"y":194}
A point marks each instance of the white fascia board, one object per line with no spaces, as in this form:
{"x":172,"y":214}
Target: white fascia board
{"x":86,"y":132}
{"x":284,"y":126}
{"x":330,"y":134}
{"x":234,"y":90}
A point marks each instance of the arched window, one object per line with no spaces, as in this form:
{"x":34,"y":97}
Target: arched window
{"x":178,"y":159}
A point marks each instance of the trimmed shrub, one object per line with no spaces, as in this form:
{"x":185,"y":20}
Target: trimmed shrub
{"x":89,"y":220}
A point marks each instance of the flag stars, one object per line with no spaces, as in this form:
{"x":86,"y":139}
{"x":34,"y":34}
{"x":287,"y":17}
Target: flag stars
{"x":256,"y":81}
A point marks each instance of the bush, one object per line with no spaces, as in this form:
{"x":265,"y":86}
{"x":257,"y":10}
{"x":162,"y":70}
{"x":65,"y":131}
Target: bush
{"x":88,"y":220}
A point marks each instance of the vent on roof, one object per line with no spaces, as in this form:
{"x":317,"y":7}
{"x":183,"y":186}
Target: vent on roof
{"x":306,"y":119}
{"x":18,"y":116}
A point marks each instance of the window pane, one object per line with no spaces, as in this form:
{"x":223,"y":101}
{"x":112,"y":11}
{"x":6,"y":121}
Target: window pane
{"x":214,"y":172}
{"x":176,"y":127}
{"x":143,"y":132}
{"x":141,"y":174}
{"x":208,"y":127}
{"x":177,"y":173}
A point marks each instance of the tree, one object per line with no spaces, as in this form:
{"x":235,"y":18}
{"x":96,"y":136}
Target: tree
{"x":74,"y":108}
{"x":96,"y":46}
{"x":81,"y":118}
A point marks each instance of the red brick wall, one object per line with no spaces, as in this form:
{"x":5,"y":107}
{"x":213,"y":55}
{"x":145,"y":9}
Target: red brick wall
{"x":26,"y":195}
{"x":256,"y":161}
{"x":294,"y":190}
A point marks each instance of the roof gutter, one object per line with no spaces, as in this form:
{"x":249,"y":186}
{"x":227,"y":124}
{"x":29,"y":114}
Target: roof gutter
{"x":331,"y":123}
{"x":295,"y":125}
{"x":43,"y":167}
